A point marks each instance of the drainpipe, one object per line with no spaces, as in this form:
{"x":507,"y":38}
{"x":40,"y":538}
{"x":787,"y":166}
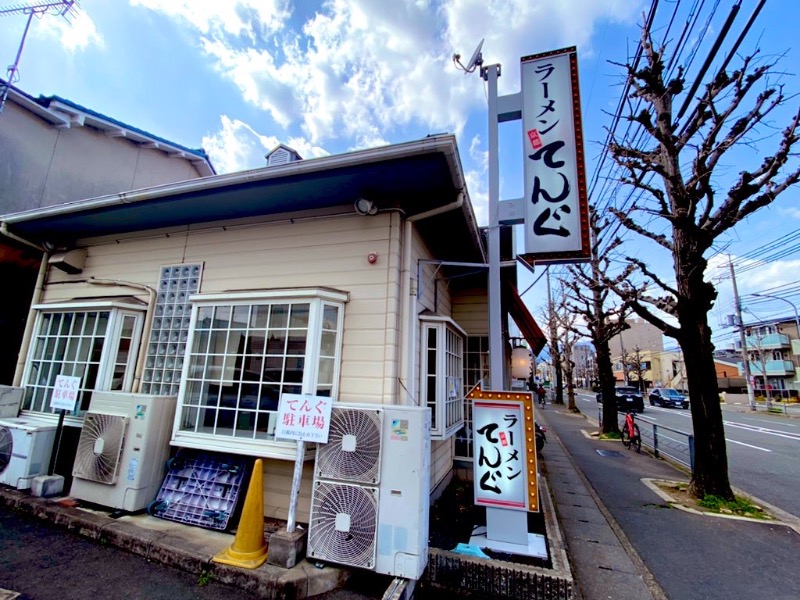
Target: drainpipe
{"x":148,"y":319}
{"x":35,"y":299}
{"x":408,"y":337}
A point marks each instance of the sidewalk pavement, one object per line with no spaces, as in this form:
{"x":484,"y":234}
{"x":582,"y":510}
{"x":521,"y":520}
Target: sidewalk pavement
{"x":604,"y":563}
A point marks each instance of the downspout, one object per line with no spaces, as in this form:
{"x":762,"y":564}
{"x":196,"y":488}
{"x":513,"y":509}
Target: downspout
{"x":148,"y":319}
{"x":408,"y":337}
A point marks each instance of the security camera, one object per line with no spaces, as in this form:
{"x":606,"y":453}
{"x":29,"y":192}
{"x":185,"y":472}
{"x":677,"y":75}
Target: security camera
{"x":365,"y":207}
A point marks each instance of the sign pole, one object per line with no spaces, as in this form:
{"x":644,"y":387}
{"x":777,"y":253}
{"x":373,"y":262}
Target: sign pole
{"x":296,"y":478}
{"x":57,"y":444}
{"x":501,"y":524}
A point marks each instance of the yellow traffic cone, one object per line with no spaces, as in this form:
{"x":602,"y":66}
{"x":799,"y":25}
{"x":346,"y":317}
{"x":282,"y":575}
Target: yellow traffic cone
{"x":249,"y":547}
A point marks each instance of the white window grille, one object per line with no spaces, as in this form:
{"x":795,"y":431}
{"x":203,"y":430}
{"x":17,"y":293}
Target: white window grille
{"x":476,"y":371}
{"x":244,"y":351}
{"x":442,"y":370}
{"x":96,"y":341}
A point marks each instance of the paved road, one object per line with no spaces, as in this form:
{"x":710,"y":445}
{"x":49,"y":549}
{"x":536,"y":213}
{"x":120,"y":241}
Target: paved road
{"x":690,"y":556}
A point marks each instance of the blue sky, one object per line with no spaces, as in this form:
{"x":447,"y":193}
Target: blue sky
{"x":237,"y":77}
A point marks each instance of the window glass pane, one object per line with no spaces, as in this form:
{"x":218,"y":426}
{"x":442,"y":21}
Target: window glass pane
{"x":259,"y":317}
{"x":241,"y":317}
{"x":325,"y":375}
{"x":276,"y":343}
{"x":204,"y":315}
{"x":328,"y":343}
{"x":66,"y":323}
{"x":330,"y":317}
{"x":279,"y":316}
{"x":299,"y":316}
{"x":296,"y":343}
{"x":222,"y":317}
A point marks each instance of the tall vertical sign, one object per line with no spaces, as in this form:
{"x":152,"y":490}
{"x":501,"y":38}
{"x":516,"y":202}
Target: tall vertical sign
{"x":555,"y":202}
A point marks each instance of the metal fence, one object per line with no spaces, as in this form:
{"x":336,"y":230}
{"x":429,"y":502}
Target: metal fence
{"x":664,"y":441}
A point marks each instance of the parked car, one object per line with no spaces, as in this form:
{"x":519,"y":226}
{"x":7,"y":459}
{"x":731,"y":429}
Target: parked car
{"x":628,"y":398}
{"x":668,"y":397}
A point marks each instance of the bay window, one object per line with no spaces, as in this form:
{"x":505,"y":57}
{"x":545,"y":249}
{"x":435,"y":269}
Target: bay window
{"x":442,"y":371}
{"x":96,"y":341}
{"x":244,"y":351}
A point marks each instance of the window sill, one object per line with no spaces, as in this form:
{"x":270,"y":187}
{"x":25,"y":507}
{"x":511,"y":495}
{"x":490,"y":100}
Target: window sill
{"x":248,"y":447}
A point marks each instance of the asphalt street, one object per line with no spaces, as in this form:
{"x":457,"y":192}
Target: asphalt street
{"x":690,"y":556}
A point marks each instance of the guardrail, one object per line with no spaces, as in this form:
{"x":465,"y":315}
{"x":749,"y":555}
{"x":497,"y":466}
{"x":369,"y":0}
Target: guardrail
{"x":664,"y":441}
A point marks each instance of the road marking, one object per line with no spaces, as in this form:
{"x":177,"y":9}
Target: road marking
{"x":784,"y":434}
{"x":748,"y":445}
{"x":773,"y":423}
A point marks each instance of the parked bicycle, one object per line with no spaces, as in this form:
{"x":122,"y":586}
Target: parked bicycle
{"x":630,"y":433}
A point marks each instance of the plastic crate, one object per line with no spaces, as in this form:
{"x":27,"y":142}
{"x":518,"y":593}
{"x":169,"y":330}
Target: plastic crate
{"x":200,"y":489}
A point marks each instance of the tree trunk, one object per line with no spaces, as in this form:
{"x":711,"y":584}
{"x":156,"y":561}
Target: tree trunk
{"x":607,"y":384}
{"x":696,"y":297}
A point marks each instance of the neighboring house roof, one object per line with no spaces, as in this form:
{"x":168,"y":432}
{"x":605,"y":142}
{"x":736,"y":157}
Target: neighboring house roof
{"x":413,"y":177}
{"x":63,"y":113}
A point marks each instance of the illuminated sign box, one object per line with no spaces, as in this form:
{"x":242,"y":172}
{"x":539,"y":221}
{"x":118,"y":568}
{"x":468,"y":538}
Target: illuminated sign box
{"x":504,"y":459}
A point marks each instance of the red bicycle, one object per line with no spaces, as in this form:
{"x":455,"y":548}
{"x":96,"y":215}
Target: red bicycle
{"x":630,"y":433}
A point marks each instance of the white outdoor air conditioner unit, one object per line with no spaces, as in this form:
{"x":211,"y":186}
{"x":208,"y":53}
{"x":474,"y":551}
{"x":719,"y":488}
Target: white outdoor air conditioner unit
{"x":25,"y":448}
{"x":122,"y":449}
{"x":371,"y":491}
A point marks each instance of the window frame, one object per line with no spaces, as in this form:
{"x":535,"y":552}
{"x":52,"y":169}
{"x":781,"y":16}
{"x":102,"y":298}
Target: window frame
{"x":440,"y":429}
{"x":318,"y":299}
{"x":118,"y":311}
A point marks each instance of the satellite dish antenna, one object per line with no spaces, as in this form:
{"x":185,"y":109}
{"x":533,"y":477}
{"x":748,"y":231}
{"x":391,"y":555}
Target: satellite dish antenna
{"x":476,"y":59}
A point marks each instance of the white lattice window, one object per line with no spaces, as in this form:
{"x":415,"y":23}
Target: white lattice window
{"x":96,"y":341}
{"x":244,"y":352}
{"x":442,"y":369}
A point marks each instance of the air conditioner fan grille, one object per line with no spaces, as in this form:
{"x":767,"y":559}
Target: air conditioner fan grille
{"x":339,"y":460}
{"x":337,"y":503}
{"x":100,"y":447}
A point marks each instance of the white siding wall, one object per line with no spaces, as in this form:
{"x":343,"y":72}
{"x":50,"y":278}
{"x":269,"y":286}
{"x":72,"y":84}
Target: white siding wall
{"x":328,"y":252}
{"x":471,"y":311}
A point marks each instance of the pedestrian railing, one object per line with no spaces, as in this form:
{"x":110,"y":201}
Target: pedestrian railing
{"x":673,"y":443}
{"x":662,"y":440}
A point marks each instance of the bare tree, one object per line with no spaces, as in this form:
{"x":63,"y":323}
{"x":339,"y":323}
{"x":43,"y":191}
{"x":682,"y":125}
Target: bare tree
{"x":675,"y":185}
{"x":635,"y":367}
{"x":569,"y":335}
{"x":587,"y":296}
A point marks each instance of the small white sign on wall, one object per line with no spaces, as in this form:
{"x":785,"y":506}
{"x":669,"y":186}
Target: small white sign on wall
{"x":65,"y":393}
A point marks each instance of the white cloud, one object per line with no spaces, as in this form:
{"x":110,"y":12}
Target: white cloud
{"x":238,"y":147}
{"x":76,"y":34}
{"x":358,"y":70}
{"x":249,"y":17}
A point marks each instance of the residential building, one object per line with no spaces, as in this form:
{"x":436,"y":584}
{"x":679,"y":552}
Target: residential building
{"x":772,"y":348}
{"x":54,"y":151}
